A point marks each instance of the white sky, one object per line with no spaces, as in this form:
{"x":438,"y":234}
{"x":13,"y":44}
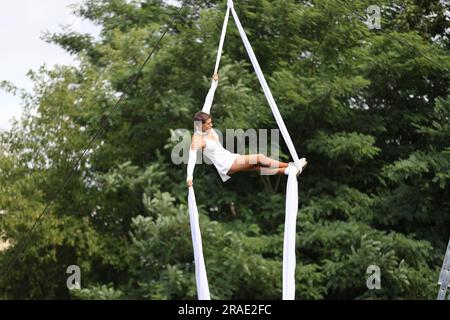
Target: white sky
{"x":22,"y":23}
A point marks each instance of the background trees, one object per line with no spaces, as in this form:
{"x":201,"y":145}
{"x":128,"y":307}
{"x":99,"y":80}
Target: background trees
{"x":369,"y":109}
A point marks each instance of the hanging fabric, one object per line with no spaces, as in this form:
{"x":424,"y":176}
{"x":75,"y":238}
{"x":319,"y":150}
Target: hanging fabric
{"x":289,"y":260}
{"x":200,"y":269}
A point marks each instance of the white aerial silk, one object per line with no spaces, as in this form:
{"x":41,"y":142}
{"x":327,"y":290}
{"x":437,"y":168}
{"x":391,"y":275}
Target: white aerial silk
{"x":289,"y":259}
{"x":200,"y":269}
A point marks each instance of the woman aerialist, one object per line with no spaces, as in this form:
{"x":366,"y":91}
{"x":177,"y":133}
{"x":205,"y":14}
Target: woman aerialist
{"x":227,"y":163}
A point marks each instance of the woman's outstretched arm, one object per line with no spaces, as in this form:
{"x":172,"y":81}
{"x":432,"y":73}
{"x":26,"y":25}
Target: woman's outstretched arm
{"x":210,"y":96}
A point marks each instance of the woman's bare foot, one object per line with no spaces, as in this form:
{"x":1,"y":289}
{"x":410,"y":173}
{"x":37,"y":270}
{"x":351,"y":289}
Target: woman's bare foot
{"x":303,"y":164}
{"x":293,"y":167}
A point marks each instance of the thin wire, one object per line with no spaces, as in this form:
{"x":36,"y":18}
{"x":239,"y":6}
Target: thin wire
{"x":25,"y":242}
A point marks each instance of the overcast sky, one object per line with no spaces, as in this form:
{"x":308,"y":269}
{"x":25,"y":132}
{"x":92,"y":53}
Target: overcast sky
{"x":22,"y":23}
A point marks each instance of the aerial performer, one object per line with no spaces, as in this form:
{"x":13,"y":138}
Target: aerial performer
{"x":226,"y":162}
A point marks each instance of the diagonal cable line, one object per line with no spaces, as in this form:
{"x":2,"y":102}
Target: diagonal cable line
{"x":25,"y":242}
{"x":82,"y":98}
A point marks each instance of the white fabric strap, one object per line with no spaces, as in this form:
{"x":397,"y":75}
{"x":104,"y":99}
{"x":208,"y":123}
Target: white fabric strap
{"x":267,"y":92}
{"x":290,"y":223}
{"x":292,"y":188}
{"x":210,"y":96}
{"x":222,"y":40}
{"x":200,"y":269}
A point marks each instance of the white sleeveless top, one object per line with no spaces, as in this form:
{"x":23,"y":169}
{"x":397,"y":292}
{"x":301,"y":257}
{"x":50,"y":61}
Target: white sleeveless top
{"x":219,"y":156}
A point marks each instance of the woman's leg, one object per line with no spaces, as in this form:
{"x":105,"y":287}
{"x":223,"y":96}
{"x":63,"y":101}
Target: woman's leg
{"x":243,"y":163}
{"x":269,"y":171}
{"x":253,"y":162}
{"x":269,"y":162}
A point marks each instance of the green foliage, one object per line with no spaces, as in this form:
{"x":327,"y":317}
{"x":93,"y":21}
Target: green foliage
{"x":97,"y":293}
{"x":352,"y":146}
{"x":344,"y":203}
{"x":349,"y":248}
{"x":366,"y":108}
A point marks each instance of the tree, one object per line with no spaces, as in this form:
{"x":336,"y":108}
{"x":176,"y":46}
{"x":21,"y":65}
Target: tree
{"x":369,"y":109}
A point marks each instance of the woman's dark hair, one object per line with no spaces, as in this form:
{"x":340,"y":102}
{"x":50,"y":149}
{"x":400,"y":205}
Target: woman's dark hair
{"x":201,"y":116}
